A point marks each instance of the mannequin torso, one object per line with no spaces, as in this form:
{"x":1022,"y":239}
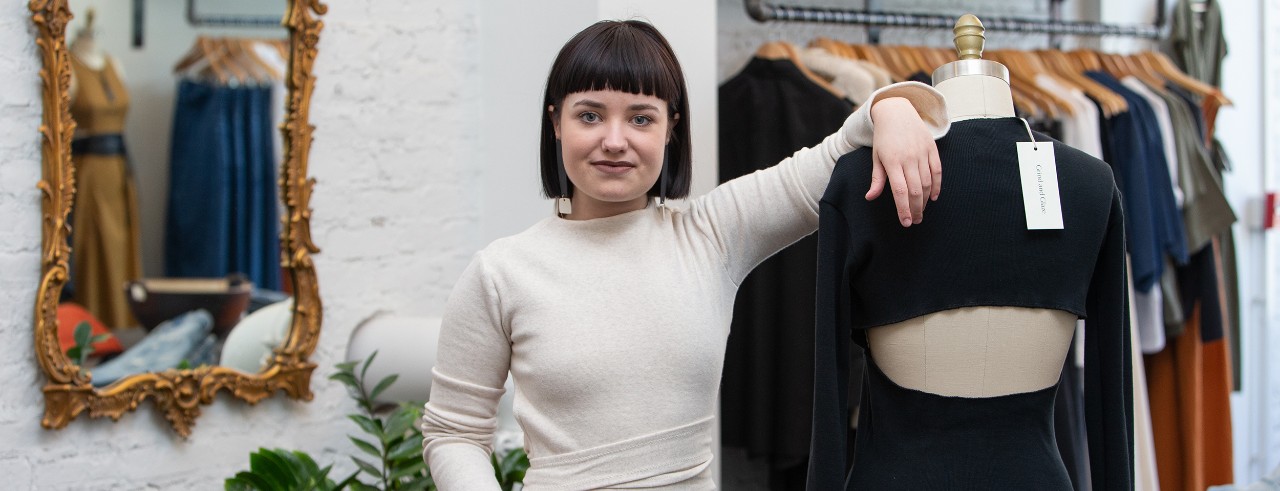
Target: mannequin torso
{"x":975,"y":351}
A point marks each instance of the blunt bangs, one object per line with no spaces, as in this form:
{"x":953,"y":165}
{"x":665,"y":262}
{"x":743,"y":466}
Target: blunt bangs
{"x":625,"y":59}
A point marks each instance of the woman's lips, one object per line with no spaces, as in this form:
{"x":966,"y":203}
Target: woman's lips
{"x":612,"y":167}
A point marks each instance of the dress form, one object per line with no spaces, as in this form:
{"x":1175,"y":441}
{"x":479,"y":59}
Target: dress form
{"x":975,"y":351}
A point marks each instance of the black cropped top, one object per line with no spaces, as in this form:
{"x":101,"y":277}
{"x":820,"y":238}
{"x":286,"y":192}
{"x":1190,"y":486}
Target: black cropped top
{"x":972,"y":249}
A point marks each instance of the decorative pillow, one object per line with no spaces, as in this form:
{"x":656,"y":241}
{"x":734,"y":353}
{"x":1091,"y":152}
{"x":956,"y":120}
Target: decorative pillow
{"x":249,"y":346}
{"x":165,"y":347}
{"x":70,"y":315}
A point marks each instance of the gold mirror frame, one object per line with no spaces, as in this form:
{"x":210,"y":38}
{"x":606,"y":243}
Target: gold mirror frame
{"x":178,"y":394}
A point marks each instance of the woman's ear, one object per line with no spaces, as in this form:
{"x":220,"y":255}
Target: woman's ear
{"x":555,"y":122}
{"x":671,"y":130}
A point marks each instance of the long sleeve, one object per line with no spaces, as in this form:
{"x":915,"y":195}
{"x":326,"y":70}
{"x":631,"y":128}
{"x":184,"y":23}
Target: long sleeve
{"x":1108,"y":377}
{"x":827,"y":451}
{"x":472,"y":363}
{"x":756,"y":215}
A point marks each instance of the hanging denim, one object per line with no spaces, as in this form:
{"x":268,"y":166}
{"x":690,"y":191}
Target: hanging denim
{"x":223,"y":214}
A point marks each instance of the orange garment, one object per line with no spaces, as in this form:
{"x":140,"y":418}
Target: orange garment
{"x":1175,"y":388}
{"x":1218,"y":384}
{"x":104,"y":230}
{"x":1188,"y":385}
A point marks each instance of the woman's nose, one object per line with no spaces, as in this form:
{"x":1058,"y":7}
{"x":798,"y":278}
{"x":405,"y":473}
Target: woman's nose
{"x":615,"y":139}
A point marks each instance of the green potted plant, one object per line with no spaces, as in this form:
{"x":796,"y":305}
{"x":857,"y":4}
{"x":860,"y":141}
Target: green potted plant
{"x":390,"y":449}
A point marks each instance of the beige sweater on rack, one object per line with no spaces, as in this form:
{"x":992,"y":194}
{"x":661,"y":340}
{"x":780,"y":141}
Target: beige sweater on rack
{"x":614,"y":329}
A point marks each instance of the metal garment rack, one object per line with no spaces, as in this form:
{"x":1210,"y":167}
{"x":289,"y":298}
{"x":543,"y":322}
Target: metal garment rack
{"x":764,"y":12}
{"x":196,"y":19}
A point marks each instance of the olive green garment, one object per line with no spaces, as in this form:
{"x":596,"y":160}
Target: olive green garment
{"x":1197,"y":40}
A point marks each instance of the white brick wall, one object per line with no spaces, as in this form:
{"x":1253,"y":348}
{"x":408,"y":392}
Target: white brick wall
{"x":394,"y":216}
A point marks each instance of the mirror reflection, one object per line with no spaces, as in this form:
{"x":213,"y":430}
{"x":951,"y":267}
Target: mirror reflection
{"x":175,"y":257}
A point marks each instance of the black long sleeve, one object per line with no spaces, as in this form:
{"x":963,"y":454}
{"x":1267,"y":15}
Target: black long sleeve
{"x":1107,"y":366}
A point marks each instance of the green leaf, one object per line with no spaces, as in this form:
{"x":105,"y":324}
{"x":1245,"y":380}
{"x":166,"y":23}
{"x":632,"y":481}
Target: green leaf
{"x":349,"y":481}
{"x":236,"y":484}
{"x":368,"y":468}
{"x":347,"y":379}
{"x":99,"y":338}
{"x":368,"y":361}
{"x":424,"y":483}
{"x":405,"y":449}
{"x":307,"y":463}
{"x":369,"y":425}
{"x":413,"y":469}
{"x":73,"y":353}
{"x":515,"y":460}
{"x":254,"y":481}
{"x":399,"y":422}
{"x":273,"y":468}
{"x":366,"y":446}
{"x":382,"y":385}
{"x":359,"y":486}
{"x":82,"y":333}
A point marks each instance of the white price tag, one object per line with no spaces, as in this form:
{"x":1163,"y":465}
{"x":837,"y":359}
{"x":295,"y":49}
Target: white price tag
{"x":1039,"y":171}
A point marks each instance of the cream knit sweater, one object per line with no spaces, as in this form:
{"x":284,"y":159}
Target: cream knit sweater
{"x":614,"y":329}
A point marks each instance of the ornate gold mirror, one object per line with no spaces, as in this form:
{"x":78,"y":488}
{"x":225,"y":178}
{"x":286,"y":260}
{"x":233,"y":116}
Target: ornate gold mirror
{"x":178,"y":263}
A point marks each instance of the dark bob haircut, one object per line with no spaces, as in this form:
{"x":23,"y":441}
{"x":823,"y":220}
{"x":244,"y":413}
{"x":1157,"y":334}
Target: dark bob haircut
{"x":630,"y":56}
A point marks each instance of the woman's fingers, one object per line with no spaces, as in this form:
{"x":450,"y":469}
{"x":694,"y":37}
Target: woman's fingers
{"x":935,"y":170}
{"x":877,"y":178}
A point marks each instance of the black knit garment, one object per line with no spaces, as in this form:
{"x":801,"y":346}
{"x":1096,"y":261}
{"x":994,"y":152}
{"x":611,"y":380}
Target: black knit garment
{"x":972,"y":249}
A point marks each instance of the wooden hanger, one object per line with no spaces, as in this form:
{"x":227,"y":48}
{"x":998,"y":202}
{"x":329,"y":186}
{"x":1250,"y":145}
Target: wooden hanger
{"x":921,"y":55}
{"x":918,"y":61}
{"x":898,"y":66}
{"x":1124,"y":66}
{"x":205,"y":50}
{"x":1085,"y":60}
{"x":782,"y":50}
{"x":233,"y":61}
{"x":1058,"y":62}
{"x":870,"y":54}
{"x":1023,"y":78}
{"x":1163,"y":66}
{"x":264,"y":71}
{"x":196,"y":53}
{"x":830,"y":45}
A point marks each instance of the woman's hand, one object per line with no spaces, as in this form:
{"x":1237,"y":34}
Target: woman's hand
{"x":903,"y":152}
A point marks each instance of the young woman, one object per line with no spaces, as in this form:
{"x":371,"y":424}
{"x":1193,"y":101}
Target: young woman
{"x":612,"y":316}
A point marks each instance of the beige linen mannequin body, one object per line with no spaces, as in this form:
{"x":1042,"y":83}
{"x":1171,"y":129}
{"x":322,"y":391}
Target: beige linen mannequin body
{"x":975,"y":351}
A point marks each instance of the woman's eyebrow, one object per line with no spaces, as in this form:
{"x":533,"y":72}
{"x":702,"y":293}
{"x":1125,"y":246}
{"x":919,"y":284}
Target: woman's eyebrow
{"x":589,"y":103}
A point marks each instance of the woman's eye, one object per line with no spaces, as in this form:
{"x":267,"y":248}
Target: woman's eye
{"x":641,"y":120}
{"x":589,"y":117}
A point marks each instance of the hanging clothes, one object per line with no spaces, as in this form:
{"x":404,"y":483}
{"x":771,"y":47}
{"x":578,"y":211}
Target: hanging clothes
{"x":1199,"y":45}
{"x":767,"y":111}
{"x":105,"y":235}
{"x":223,"y":213}
{"x":1135,"y":150}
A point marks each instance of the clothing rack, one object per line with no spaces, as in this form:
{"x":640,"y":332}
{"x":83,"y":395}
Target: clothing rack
{"x":196,"y":19}
{"x":764,"y":12}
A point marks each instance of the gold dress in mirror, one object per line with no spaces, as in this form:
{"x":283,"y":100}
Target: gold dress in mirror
{"x":106,"y":205}
{"x":95,"y":178}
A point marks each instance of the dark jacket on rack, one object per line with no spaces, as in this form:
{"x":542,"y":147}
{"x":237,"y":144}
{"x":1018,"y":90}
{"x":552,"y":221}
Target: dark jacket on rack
{"x":767,"y":112}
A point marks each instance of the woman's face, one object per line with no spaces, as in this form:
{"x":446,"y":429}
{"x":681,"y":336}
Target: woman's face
{"x":612,"y":143}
